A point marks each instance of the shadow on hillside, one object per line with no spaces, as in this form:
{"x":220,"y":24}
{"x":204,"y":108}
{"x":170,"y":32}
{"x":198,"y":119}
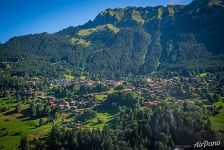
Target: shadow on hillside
{"x":9,"y":113}
{"x":103,"y":109}
{"x":25,"y":115}
{"x":70,"y":116}
{"x":112,"y":123}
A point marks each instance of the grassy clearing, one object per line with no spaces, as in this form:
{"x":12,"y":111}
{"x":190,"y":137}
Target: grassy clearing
{"x":100,"y":97}
{"x":5,"y":103}
{"x":218,"y":120}
{"x":13,"y":126}
{"x":110,"y":91}
{"x":9,"y":142}
{"x":82,"y":77}
{"x":69,"y":77}
{"x":203,"y":75}
{"x":16,"y":125}
{"x":200,"y":100}
{"x":104,"y":118}
{"x":101,"y":120}
{"x":21,"y":127}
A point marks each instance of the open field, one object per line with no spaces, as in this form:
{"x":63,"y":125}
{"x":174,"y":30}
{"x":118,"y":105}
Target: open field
{"x":101,"y":120}
{"x":218,"y":120}
{"x":69,"y":77}
{"x":100,"y":97}
{"x":14,"y":125}
{"x":15,"y":128}
{"x":203,"y":75}
{"x":104,"y":118}
{"x":7,"y":104}
{"x":9,"y":142}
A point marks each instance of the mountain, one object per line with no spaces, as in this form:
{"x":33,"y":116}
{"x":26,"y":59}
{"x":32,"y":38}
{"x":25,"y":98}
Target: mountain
{"x":123,"y":41}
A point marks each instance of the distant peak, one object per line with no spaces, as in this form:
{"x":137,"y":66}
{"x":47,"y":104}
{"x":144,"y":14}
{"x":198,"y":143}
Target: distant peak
{"x":116,"y":13}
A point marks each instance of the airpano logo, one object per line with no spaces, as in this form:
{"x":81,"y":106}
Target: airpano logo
{"x":206,"y":143}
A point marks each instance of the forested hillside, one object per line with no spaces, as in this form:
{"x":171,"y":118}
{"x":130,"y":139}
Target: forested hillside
{"x":123,"y":41}
{"x":132,"y":78}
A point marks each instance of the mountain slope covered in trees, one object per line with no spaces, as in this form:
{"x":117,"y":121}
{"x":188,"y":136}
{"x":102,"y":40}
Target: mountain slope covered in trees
{"x":123,"y":41}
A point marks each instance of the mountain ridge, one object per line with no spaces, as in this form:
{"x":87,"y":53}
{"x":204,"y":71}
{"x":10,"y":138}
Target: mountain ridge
{"x":123,"y":41}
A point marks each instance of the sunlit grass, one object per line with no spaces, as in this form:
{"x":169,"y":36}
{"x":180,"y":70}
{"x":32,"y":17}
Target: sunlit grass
{"x":13,"y":125}
{"x":9,"y":142}
{"x":218,"y":120}
{"x":102,"y":119}
{"x":68,"y":77}
{"x":100,"y":97}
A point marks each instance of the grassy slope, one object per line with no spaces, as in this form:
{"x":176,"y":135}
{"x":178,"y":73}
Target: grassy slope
{"x":100,"y":97}
{"x":17,"y":124}
{"x":69,"y":77}
{"x":105,"y":116}
{"x":218,"y":120}
{"x":5,"y":103}
{"x":9,"y":142}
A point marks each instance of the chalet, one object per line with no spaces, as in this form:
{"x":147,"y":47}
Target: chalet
{"x":41,"y":97}
{"x":53,"y":105}
{"x":194,"y":94}
{"x":78,"y":125}
{"x":63,"y":104}
{"x":52,"y":99}
{"x":81,"y":105}
{"x":151,"y":103}
{"x":69,"y":100}
{"x":73,"y":103}
{"x":130,"y":87}
{"x":32,"y":80}
{"x":62,"y":81}
{"x":149,"y":79}
{"x":118,"y":83}
{"x":30,"y":91}
{"x":112,"y":83}
{"x":91,"y":82}
{"x":67,"y":107}
{"x":78,"y":112}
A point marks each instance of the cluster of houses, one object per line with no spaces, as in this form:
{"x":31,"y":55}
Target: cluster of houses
{"x":72,"y":103}
{"x":72,"y":124}
{"x":171,"y":86}
{"x":32,"y":80}
{"x":160,"y":87}
{"x":66,"y":82}
{"x":157,"y":88}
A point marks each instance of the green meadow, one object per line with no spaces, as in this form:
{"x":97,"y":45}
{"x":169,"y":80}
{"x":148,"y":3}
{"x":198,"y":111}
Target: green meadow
{"x":103,"y":118}
{"x":218,"y":120}
{"x":100,"y":97}
{"x":9,"y":142}
{"x":14,"y":125}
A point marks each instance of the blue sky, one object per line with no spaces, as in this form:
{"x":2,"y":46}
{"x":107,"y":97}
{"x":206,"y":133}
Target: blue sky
{"x":20,"y":17}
